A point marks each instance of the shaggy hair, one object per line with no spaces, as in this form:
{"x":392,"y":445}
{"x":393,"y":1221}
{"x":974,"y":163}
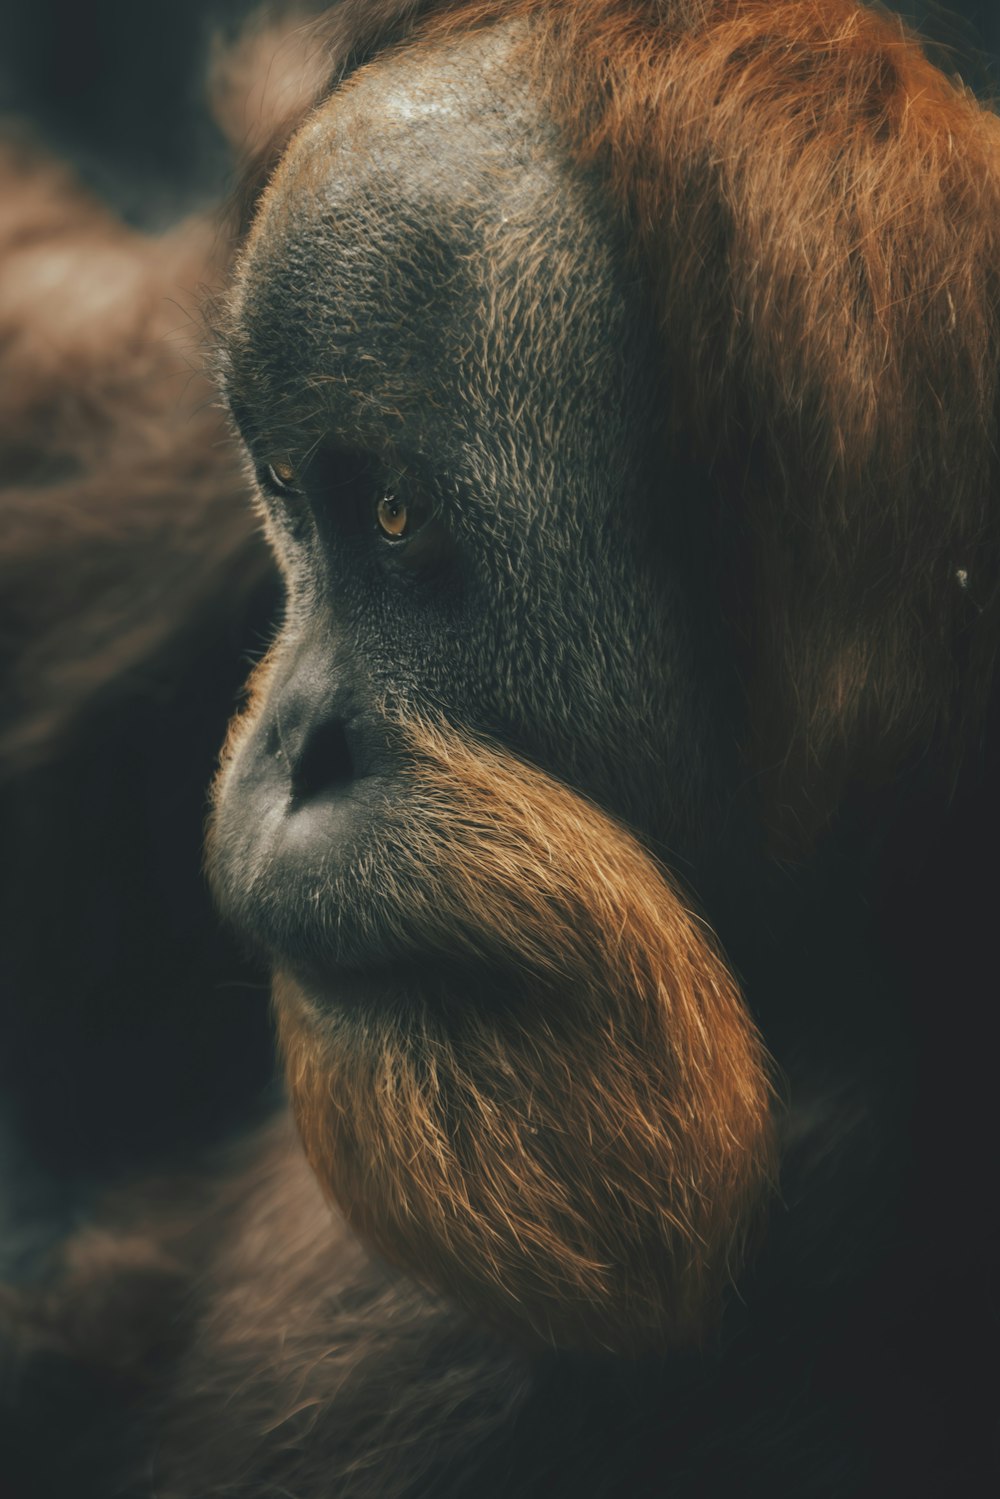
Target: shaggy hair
{"x":575,"y":1154}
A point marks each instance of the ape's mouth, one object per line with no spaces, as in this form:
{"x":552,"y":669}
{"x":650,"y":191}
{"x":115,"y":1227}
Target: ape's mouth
{"x":295,"y":820}
{"x":285,"y":871}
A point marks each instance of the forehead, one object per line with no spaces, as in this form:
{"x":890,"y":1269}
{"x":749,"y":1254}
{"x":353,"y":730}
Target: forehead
{"x":427,"y":254}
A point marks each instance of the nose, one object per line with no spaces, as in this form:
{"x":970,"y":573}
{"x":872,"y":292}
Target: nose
{"x":324,"y":761}
{"x":306,"y":733}
{"x":293,"y":804}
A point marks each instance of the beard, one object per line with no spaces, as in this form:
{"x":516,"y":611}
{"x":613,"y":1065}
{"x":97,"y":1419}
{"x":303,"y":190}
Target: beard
{"x":551,"y":1103}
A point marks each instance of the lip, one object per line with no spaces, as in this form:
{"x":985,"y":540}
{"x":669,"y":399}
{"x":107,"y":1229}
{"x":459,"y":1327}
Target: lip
{"x":279,"y":864}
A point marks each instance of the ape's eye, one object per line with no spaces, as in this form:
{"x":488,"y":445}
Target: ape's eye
{"x":408,"y":536}
{"x":394,"y":518}
{"x":281,"y":476}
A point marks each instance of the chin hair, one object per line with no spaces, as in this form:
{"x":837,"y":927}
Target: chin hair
{"x":560,"y":1114}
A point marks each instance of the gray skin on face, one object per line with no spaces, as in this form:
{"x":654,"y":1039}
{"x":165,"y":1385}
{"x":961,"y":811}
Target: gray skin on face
{"x":436,"y":305}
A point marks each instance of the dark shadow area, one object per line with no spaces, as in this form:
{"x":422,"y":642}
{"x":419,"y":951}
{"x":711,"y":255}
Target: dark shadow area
{"x":117,"y":89}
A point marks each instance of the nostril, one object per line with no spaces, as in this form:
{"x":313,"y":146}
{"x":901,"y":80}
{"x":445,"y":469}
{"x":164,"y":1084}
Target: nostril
{"x":326,"y":762}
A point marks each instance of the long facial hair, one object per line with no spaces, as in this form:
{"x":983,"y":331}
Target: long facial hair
{"x":560,"y":1114}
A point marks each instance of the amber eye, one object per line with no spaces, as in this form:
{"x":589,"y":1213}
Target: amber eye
{"x":393,"y":517}
{"x":281,"y":475}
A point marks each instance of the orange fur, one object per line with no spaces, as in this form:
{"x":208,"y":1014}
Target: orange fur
{"x":571,"y":1133}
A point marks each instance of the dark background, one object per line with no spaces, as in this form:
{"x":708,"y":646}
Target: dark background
{"x":115,"y":85}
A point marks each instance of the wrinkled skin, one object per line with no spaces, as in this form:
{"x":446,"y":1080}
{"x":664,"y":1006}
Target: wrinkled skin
{"x":435,"y":292}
